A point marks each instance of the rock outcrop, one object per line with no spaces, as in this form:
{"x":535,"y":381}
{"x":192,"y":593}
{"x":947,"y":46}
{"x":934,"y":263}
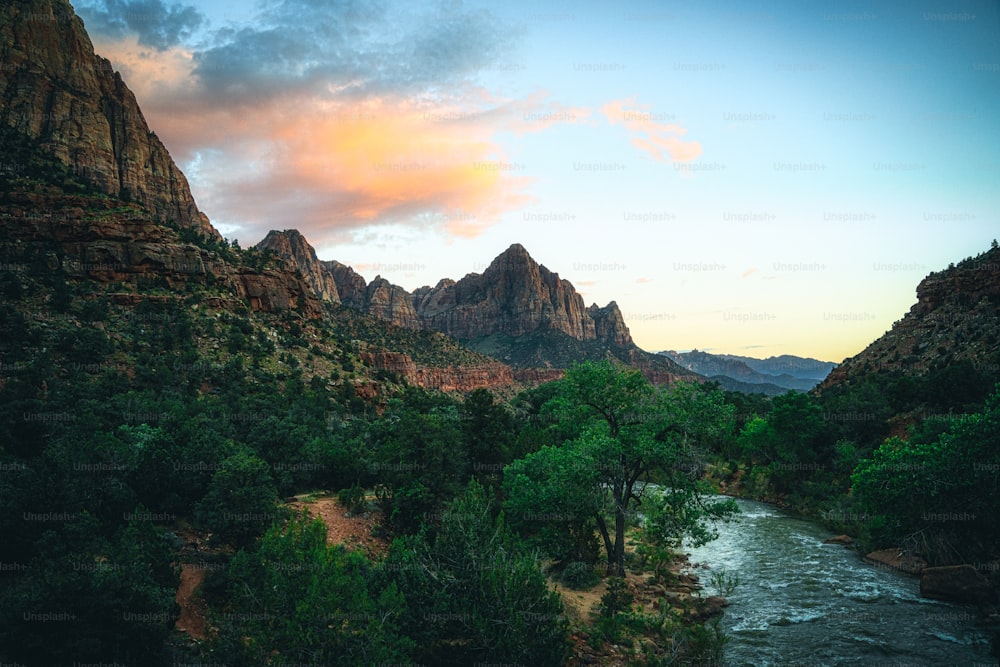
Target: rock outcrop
{"x":446,"y":378}
{"x":956,"y":319}
{"x":292,"y":245}
{"x":57,"y":92}
{"x":513,"y":296}
{"x":116,"y":246}
{"x":899,"y":560}
{"x":350,"y":285}
{"x":955,"y":583}
{"x":392,"y":303}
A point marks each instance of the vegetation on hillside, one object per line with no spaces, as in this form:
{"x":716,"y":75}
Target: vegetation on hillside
{"x":123,"y":427}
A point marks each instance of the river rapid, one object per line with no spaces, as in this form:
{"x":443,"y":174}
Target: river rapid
{"x":802,"y":602}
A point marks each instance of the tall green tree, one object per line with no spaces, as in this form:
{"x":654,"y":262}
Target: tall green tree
{"x":240,"y":502}
{"x":475,"y":594}
{"x":297,"y":600}
{"x":937,"y":491}
{"x":627,"y":434}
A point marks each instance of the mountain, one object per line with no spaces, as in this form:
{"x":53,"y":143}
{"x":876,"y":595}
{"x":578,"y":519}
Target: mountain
{"x":517,"y":311}
{"x":940,"y":360}
{"x":516,"y":296}
{"x":952,"y":330}
{"x":291,"y":244}
{"x":787,"y":364}
{"x":98,"y":226}
{"x":771,"y":376}
{"x":70,"y":102}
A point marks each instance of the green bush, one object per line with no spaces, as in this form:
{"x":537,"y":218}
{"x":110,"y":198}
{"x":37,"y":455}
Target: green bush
{"x":353,"y":498}
{"x":579,"y":576}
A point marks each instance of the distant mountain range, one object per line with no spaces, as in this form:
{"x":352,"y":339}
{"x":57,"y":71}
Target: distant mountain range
{"x":771,"y":376}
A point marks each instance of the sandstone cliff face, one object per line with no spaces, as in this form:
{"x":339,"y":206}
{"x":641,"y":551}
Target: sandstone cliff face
{"x":446,"y":378}
{"x":956,"y":318}
{"x":110,"y":246}
{"x":609,"y":325}
{"x":56,"y":91}
{"x":350,"y":286}
{"x":391,"y":303}
{"x":513,"y":296}
{"x":292,"y":245}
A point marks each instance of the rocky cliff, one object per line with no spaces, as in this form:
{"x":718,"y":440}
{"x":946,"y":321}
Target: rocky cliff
{"x":95,"y":240}
{"x":57,"y":92}
{"x":514,"y":296}
{"x":956,"y":320}
{"x":292,"y":245}
{"x":940,"y":359}
{"x":517,"y":311}
{"x":442,"y":378}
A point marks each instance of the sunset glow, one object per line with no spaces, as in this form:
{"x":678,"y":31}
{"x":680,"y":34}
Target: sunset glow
{"x":774,"y":179}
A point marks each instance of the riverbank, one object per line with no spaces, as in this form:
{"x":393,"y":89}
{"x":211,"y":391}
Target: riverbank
{"x":802,"y":601}
{"x":662,"y":617}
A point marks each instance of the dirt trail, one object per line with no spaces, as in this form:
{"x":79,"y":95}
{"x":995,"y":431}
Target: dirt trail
{"x":192,"y":617}
{"x":354,"y":532}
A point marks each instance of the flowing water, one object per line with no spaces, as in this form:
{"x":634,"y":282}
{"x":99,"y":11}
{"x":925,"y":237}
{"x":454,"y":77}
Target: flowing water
{"x":802,"y":602}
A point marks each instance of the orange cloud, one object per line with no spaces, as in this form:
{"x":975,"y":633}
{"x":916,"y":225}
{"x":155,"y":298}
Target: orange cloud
{"x":328,"y":166}
{"x":649,"y":133}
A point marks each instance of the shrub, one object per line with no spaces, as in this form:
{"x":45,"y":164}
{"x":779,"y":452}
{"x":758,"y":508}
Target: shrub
{"x":579,"y":575}
{"x":353,"y":498}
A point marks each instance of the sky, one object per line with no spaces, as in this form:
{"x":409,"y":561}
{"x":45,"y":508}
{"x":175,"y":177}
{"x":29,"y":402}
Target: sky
{"x":753,"y":178}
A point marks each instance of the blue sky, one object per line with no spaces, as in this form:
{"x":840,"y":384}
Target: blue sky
{"x":756,"y":178}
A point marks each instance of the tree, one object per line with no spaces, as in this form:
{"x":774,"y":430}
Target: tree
{"x":789,"y":441}
{"x":418,"y":457}
{"x":475,"y":594}
{"x":241,"y":498}
{"x":937,"y":492}
{"x":298,"y":600}
{"x":627,"y":434}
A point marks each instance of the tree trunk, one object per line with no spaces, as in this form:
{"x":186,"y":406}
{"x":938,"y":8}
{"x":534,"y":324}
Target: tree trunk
{"x":608,"y":546}
{"x":619,"y":539}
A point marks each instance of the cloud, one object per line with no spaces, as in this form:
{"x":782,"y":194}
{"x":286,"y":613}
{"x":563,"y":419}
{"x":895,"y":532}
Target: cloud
{"x":331,"y":168}
{"x":157,"y":25}
{"x":353,"y":49}
{"x":336,"y":117}
{"x":659,"y":139}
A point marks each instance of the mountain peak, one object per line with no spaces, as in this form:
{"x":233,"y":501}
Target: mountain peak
{"x":291,"y":245}
{"x":515,"y":249}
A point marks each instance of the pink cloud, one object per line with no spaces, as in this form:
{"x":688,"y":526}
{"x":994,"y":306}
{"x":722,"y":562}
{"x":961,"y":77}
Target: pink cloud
{"x":659,"y":139}
{"x":331,"y":167}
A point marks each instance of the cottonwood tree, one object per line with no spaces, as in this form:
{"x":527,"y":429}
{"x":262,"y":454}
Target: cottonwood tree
{"x":626,"y":434}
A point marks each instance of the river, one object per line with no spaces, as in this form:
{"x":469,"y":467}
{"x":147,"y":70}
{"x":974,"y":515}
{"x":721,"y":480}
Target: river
{"x":802,"y":602}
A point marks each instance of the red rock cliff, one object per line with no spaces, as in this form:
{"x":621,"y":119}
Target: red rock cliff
{"x":55,"y":90}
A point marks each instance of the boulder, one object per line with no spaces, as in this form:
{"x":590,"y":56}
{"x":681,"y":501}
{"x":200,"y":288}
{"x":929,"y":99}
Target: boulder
{"x":896,"y":559}
{"x":846,"y":540}
{"x":709,"y":608}
{"x":955,"y":583}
